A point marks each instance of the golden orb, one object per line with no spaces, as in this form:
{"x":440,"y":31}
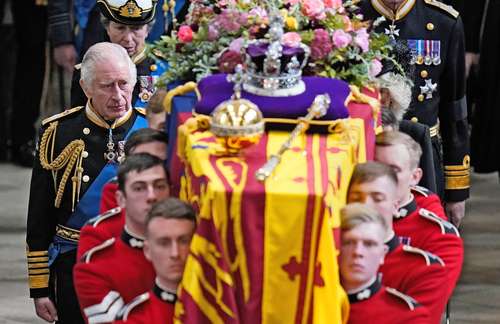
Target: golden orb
{"x":237,"y":124}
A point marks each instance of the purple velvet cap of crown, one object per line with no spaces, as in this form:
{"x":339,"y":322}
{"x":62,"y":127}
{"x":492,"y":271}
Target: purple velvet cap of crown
{"x":215,"y":89}
{"x":257,"y":52}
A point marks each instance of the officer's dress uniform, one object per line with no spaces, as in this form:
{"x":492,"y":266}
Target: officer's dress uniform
{"x":148,"y":71}
{"x":380,"y":304}
{"x":155,"y":306}
{"x":69,"y":171}
{"x":99,"y":229}
{"x":417,"y":273}
{"x":435,"y":36}
{"x":110,"y":275}
{"x":423,"y":228}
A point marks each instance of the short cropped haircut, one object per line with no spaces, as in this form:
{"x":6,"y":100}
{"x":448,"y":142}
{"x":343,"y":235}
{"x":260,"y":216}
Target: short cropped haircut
{"x":391,"y":138}
{"x":144,"y":136}
{"x":155,"y":103}
{"x":355,"y":214}
{"x":371,"y":171}
{"x":171,"y":208}
{"x":138,"y":163}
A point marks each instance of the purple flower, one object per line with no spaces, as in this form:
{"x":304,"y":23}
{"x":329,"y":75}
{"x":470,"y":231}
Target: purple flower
{"x":362,"y":39}
{"x":212,"y":33}
{"x":236,"y":45}
{"x":341,"y":39}
{"x":228,"y":21}
{"x":321,"y":44}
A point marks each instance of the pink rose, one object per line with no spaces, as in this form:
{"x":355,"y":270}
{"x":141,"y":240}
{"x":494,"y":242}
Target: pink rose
{"x":291,"y":39}
{"x":313,"y":9}
{"x":321,"y":45}
{"x":374,"y":68}
{"x":228,"y":61}
{"x":341,"y":39}
{"x":332,"y":4}
{"x":185,"y":34}
{"x":362,"y":39}
{"x":236,"y":45}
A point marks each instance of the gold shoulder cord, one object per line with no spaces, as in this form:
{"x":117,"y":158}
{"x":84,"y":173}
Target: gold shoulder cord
{"x":71,"y":155}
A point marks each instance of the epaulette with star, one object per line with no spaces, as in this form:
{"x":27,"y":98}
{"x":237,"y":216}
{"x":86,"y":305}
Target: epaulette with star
{"x":61,"y":115}
{"x":444,"y":7}
{"x":125,"y":311}
{"x":430,"y":258}
{"x":446,"y":227}
{"x":104,"y":216}
{"x":88,"y":255}
{"x":422,"y":191}
{"x":409,"y":301}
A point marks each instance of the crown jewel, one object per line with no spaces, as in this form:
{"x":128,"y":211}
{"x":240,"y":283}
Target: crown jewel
{"x":273,"y":68}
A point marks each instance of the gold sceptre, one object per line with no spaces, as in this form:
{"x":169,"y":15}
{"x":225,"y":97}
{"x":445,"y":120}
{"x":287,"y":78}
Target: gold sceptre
{"x":318,"y":109}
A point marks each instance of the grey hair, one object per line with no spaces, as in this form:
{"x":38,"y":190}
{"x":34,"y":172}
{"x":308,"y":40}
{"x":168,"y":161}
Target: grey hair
{"x":399,"y":88}
{"x":105,"y":52}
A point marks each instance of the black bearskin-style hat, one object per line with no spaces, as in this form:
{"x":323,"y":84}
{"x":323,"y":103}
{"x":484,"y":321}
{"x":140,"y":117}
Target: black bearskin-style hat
{"x":128,"y":12}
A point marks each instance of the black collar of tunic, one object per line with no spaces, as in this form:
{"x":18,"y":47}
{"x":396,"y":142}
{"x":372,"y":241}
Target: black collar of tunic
{"x":164,"y":295}
{"x":407,"y":209}
{"x":131,"y":240}
{"x":365,"y":293}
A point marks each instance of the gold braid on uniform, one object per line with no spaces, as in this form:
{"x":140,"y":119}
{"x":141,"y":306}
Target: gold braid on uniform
{"x":71,"y":155}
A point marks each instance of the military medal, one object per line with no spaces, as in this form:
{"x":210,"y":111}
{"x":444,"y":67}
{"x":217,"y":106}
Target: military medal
{"x":146,"y":84}
{"x":412,"y":45}
{"x":392,"y":32}
{"x":427,"y":58}
{"x":121,"y":151}
{"x":428,"y":89}
{"x":420,"y":52}
{"x":110,"y":156}
{"x":436,"y":52}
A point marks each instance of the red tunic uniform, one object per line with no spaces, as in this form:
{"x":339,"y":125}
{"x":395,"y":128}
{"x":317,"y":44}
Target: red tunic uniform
{"x":110,"y":275}
{"x":379,"y":304}
{"x":424,"y":229}
{"x":108,"y":196}
{"x":429,"y":200}
{"x":417,"y":273}
{"x":156,"y":306}
{"x":99,"y":229}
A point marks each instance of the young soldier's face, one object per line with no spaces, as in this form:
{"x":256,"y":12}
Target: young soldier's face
{"x":380,"y":194}
{"x":362,"y":252}
{"x":167,"y":247}
{"x":142,"y":190}
{"x":398,"y":158}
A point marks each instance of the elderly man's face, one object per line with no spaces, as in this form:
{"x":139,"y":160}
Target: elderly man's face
{"x":132,"y":38}
{"x":111,"y":89}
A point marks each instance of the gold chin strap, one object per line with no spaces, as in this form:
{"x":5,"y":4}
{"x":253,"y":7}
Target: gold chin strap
{"x":69,"y":157}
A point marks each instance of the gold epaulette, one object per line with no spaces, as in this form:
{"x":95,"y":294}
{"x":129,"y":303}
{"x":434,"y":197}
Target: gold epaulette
{"x":458,"y":176}
{"x":88,"y":255}
{"x":125,"y":311}
{"x":141,"y":111}
{"x":446,"y":227}
{"x":429,"y":257}
{"x":38,"y":269}
{"x":412,"y":303}
{"x":60,"y":115}
{"x":449,"y":9}
{"x":70,"y":158}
